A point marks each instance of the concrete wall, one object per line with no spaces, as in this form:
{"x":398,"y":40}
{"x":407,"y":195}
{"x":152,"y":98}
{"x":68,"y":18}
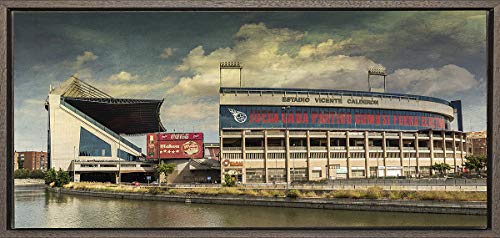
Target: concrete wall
{"x":65,"y":136}
{"x":468,"y":208}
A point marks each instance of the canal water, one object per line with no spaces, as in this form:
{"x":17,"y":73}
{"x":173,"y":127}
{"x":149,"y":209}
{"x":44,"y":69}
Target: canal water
{"x":37,"y":208}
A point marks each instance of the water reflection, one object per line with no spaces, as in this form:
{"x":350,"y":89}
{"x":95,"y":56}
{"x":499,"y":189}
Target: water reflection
{"x":36,"y":208}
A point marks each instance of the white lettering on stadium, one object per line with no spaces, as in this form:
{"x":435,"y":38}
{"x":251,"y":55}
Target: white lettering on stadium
{"x":295,"y":99}
{"x":362,"y":101}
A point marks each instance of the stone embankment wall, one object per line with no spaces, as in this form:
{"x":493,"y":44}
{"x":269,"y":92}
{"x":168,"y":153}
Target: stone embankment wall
{"x":467,"y":208}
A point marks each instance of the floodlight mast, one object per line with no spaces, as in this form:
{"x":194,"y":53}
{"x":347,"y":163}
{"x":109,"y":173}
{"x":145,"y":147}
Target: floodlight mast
{"x":229,"y":65}
{"x":378,"y":70}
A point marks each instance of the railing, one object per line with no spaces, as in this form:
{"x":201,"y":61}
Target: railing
{"x":391,"y":134}
{"x":337,"y":148}
{"x":232,"y":133}
{"x":374,"y":134}
{"x":375,"y":148}
{"x":392,"y":148}
{"x":298,"y":148}
{"x":273,"y":133}
{"x":318,"y":147}
{"x":275,"y":148}
{"x":254,"y":133}
{"x":254,"y":148}
{"x":408,"y":135}
{"x":423,"y":135}
{"x":317,"y":133}
{"x":232,"y":148}
{"x":99,"y":125}
{"x":298,"y":133}
{"x":356,"y":147}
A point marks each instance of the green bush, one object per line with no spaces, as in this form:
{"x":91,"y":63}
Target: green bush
{"x":229,"y":181}
{"x":154,"y":190}
{"x":374,"y":193}
{"x":25,"y":173}
{"x":293,"y":193}
{"x":62,"y":178}
{"x":50,"y":176}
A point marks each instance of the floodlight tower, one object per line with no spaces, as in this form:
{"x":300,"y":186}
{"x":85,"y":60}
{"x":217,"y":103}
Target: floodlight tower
{"x":377,"y":70}
{"x":229,"y":65}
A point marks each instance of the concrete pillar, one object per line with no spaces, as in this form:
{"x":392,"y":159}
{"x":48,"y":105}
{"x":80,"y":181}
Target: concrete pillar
{"x":431,"y":149}
{"x":308,"y":153}
{"x":349,"y":172}
{"x":454,"y":153}
{"x":117,"y":178}
{"x":384,"y":148}
{"x":76,"y":177}
{"x":328,"y":156}
{"x":287,"y":153}
{"x":221,"y":156}
{"x":244,"y":156}
{"x":444,"y":146}
{"x":401,"y":153}
{"x":417,"y":155}
{"x":462,"y":138}
{"x":265,"y":157}
{"x":367,"y":156}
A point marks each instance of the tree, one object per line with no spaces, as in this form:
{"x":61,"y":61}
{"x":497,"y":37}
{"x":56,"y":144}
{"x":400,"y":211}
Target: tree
{"x":164,"y":169}
{"x":475,"y":162}
{"x":62,"y":178}
{"x":441,"y":167}
{"x":50,"y":176}
{"x":228,"y":180}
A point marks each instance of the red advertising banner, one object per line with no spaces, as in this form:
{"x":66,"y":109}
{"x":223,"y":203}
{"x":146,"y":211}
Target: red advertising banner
{"x":181,"y":136}
{"x":174,"y":145}
{"x":175,"y":149}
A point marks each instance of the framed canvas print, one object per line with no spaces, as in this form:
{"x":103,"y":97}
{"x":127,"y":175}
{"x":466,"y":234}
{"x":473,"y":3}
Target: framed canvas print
{"x":264,"y":119}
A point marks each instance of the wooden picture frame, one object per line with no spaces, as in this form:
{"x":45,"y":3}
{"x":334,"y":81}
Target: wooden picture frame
{"x":7,"y":117}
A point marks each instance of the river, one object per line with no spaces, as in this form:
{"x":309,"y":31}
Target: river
{"x":37,"y":208}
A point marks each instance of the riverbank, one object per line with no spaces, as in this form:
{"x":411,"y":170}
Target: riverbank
{"x":283,"y":200}
{"x":28,"y":182}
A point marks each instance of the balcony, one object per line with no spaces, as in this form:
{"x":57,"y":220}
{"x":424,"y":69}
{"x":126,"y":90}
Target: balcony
{"x":321,"y":148}
{"x":275,"y":148}
{"x":337,"y":148}
{"x":238,"y":149}
{"x":298,"y":148}
{"x":259,"y":148}
{"x":391,"y":134}
{"x":231,"y":133}
{"x":356,"y":147}
{"x":254,"y":133}
{"x":392,"y":148}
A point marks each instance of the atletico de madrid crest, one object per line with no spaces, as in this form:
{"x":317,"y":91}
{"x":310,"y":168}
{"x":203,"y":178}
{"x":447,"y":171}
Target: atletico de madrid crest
{"x":238,"y":116}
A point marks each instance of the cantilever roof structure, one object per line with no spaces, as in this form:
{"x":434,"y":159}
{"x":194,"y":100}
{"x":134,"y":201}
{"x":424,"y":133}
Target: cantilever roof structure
{"x":122,"y":116}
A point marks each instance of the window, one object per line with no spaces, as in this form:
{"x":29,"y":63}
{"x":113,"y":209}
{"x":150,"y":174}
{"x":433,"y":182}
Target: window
{"x":277,"y":175}
{"x":126,"y":156}
{"x":91,"y":145}
{"x":255,"y":176}
{"x":316,"y":173}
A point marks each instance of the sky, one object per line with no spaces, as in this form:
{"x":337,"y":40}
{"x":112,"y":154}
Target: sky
{"x":175,"y":56}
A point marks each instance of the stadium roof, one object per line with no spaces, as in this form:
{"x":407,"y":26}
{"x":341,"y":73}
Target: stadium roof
{"x":121,"y":115}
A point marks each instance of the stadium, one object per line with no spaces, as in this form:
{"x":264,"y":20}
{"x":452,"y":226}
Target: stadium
{"x":85,"y":138}
{"x":275,"y":135}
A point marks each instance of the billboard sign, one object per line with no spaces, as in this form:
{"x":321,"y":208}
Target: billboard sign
{"x":273,"y":117}
{"x":175,"y":146}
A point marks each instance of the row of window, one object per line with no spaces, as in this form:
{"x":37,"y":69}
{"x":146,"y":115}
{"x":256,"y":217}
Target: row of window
{"x":334,"y":155}
{"x":91,"y":145}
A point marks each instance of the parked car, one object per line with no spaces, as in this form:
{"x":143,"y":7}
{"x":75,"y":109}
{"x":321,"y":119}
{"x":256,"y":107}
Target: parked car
{"x":154,"y":183}
{"x":135,"y":183}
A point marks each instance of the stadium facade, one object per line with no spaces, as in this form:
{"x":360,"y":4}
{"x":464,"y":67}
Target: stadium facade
{"x":85,"y":127}
{"x":283,"y":135}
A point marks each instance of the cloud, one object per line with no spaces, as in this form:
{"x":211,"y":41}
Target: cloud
{"x":123,"y":76}
{"x":186,"y":116}
{"x":87,"y":56}
{"x":167,"y":52}
{"x":265,"y":64}
{"x":439,"y":82}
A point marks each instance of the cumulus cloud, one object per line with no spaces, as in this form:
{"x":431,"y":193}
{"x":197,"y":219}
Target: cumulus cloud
{"x":87,"y":56}
{"x":167,"y":52}
{"x":439,"y":82}
{"x":123,"y":76}
{"x":202,"y":115}
{"x":265,"y":64}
